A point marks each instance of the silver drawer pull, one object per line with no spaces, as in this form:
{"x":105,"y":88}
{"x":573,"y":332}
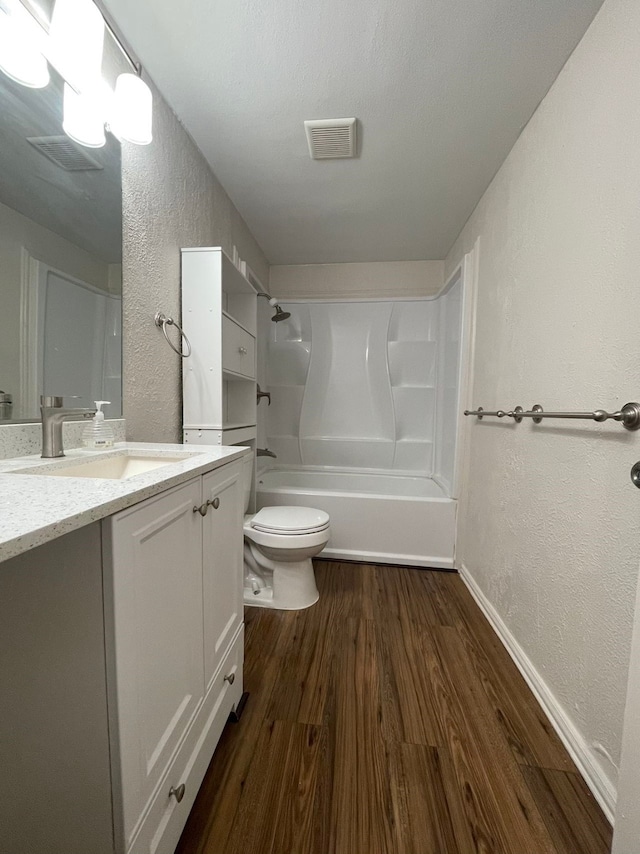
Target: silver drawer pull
{"x":231,"y":678}
{"x":202,"y":510}
{"x":215,"y":503}
{"x":242,"y":351}
{"x":177,"y":792}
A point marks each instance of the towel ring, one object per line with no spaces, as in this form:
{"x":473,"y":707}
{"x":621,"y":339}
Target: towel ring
{"x":162,"y":321}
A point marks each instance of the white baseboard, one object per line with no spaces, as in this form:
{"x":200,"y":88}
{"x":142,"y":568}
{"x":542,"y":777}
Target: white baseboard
{"x":601,"y":787}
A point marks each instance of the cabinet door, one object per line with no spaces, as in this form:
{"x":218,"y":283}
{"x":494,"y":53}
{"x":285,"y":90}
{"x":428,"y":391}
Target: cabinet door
{"x":238,"y":349}
{"x":153,"y":600}
{"x":223,"y":563}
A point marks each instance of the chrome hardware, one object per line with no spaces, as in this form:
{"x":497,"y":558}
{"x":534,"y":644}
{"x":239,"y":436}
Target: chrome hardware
{"x":215,"y":503}
{"x":628,"y":416}
{"x":202,"y":510}
{"x":177,"y":792}
{"x":537,"y":419}
{"x":231,"y":678}
{"x":6,"y":406}
{"x":262,"y":394}
{"x":53,"y":415}
{"x":635,"y":474}
{"x":242,"y":351}
{"x":162,"y":321}
{"x":265,"y":452}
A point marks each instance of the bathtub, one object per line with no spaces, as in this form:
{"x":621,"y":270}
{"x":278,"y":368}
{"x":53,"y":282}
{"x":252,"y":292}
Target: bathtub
{"x":378,"y":518}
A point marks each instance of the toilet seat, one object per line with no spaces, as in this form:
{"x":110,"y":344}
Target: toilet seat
{"x":289,"y":521}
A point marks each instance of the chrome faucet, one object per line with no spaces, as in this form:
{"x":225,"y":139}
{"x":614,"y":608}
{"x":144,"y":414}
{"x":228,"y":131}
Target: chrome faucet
{"x":53,"y":416}
{"x":262,"y":394}
{"x":265,"y":452}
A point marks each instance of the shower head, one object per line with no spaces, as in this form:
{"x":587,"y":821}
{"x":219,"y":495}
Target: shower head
{"x":280,"y":314}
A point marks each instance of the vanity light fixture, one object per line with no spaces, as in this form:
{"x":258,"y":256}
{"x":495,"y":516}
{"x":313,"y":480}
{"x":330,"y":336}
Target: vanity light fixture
{"x":76,"y":43}
{"x":83,"y":120}
{"x":132,"y":110}
{"x":21,"y":58}
{"x":74,"y":46}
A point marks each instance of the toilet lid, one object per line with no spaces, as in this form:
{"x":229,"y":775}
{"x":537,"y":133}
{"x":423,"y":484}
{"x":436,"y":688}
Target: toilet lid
{"x":301,"y":520}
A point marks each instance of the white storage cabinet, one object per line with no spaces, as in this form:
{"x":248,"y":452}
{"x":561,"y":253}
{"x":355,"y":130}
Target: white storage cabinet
{"x":219,"y":317}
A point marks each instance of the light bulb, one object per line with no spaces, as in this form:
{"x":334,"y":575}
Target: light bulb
{"x":76,"y":42}
{"x":83,"y":118}
{"x":20,"y":56}
{"x":131,"y":118}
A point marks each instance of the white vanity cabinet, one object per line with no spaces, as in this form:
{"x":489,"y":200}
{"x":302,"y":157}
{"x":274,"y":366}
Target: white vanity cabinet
{"x":123,"y":645}
{"x":173,"y":601}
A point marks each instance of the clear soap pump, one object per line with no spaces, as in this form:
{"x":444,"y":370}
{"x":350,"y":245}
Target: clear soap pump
{"x":97,"y":433}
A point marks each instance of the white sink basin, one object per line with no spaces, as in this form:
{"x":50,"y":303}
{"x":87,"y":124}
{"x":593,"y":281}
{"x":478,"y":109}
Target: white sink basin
{"x":114,"y":467}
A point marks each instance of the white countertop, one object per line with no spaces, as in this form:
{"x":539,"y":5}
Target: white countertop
{"x":37,"y":508}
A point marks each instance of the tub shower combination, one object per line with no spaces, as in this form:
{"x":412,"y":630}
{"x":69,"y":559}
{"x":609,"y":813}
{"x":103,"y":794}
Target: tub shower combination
{"x":364,"y":422}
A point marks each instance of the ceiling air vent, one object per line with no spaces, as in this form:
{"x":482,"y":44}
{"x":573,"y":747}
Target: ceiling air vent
{"x":331,"y":138}
{"x":64,"y":153}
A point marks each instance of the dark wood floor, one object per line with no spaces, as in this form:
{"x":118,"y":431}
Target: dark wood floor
{"x":389,"y":719}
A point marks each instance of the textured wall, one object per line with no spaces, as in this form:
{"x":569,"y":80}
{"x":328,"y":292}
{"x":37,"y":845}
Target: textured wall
{"x":389,"y":279}
{"x":550,"y":522}
{"x":171,"y":199}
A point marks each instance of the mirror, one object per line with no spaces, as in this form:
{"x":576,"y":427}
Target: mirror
{"x":60,"y":259}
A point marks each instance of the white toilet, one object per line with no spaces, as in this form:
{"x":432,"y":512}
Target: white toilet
{"x":279,"y":543}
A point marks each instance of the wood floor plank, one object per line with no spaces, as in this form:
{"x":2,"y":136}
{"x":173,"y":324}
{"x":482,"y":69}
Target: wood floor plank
{"x":485,"y":766}
{"x":305,"y":668}
{"x":362,"y":818}
{"x":400,"y":593}
{"x":429,"y":812}
{"x":528,"y":730}
{"x":569,"y":810}
{"x":409,"y":713}
{"x":349,"y":588}
{"x":277,"y":809}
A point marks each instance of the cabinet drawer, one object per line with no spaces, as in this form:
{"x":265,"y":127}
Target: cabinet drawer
{"x":238,"y":349}
{"x":162,"y":825}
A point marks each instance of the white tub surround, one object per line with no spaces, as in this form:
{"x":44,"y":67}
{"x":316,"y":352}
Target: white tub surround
{"x":364,"y":420}
{"x":36,"y":509}
{"x":383,"y":518}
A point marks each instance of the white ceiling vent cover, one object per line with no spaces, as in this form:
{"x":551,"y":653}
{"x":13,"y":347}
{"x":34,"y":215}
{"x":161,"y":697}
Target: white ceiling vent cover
{"x":331,"y":138}
{"x":64,"y":153}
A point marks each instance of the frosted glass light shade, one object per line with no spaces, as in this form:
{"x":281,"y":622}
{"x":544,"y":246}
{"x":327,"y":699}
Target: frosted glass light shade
{"x":132,"y":111}
{"x":76,"y":42}
{"x":20,"y":57}
{"x":83,"y":118}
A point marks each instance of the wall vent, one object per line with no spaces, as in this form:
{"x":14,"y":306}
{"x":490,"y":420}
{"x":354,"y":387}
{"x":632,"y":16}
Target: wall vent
{"x":64,"y":153}
{"x":331,"y":138}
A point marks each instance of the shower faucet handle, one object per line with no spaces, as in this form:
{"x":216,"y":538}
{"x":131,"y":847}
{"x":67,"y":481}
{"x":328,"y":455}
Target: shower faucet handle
{"x":266,"y":394}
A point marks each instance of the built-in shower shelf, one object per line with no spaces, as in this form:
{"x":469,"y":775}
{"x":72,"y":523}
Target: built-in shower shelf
{"x":367,"y":439}
{"x":412,"y":385}
{"x":285,"y":385}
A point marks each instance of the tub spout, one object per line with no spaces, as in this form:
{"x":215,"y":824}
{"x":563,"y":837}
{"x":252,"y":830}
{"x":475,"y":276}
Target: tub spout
{"x":265,"y":452}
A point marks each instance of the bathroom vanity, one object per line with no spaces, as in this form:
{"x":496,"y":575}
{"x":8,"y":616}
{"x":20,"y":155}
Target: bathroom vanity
{"x":121,"y":648}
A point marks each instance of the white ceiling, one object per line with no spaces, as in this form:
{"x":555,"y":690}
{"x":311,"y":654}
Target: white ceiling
{"x":441,"y":89}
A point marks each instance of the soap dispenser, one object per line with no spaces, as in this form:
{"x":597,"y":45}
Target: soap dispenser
{"x":98,"y":434}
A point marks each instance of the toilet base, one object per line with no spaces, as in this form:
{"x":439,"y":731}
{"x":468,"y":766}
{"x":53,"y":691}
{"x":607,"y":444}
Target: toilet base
{"x":294,"y":584}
